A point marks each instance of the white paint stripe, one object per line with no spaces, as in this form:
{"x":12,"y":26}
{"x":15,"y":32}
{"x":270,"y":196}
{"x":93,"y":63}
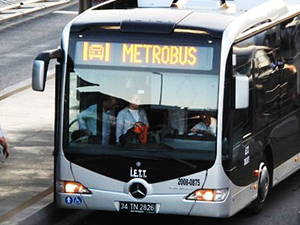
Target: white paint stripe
{"x":66,"y":12}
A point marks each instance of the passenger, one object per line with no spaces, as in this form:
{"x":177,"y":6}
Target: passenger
{"x":88,"y":119}
{"x":4,"y":144}
{"x":208,"y":125}
{"x":128,"y":117}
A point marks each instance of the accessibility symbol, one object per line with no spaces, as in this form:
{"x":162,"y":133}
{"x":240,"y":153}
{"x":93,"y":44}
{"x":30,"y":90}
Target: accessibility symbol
{"x":69,"y":200}
{"x":77,"y":200}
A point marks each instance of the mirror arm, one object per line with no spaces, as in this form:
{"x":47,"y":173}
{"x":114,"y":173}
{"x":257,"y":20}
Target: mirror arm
{"x":46,"y":56}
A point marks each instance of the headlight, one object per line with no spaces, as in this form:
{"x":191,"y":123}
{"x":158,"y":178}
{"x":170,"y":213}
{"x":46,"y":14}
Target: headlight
{"x":211,"y":195}
{"x":72,"y":187}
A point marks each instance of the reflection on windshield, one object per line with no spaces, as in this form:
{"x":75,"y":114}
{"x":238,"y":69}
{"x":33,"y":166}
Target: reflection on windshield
{"x":127,"y":110}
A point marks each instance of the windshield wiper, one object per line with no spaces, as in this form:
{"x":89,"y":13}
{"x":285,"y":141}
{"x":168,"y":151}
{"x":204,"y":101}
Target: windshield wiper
{"x":130,"y":155}
{"x":191,"y":165}
{"x":169,"y":148}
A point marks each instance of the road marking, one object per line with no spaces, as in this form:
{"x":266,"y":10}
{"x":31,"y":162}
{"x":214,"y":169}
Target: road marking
{"x":26,"y":204}
{"x":65,"y":12}
{"x":15,"y":55}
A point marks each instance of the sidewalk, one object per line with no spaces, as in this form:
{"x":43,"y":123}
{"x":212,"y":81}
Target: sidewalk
{"x":27,"y":120}
{"x":5,"y":3}
{"x":10,"y":9}
{"x":13,"y":3}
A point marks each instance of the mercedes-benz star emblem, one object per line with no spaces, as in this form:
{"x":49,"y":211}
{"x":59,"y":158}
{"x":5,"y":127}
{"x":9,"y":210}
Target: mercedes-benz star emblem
{"x":138,"y":190}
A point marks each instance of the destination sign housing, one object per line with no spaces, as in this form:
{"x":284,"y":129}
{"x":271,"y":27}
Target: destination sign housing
{"x":144,"y":55}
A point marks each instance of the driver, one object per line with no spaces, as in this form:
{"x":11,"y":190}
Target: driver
{"x":87,"y":119}
{"x":208,"y":125}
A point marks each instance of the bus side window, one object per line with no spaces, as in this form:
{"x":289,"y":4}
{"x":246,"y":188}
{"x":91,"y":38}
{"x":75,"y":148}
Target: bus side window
{"x":239,"y":123}
{"x":267,"y":91}
{"x":244,"y":66}
{"x":290,"y":64}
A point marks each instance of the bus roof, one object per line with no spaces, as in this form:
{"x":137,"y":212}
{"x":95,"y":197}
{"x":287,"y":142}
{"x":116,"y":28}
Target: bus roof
{"x":166,"y":20}
{"x":158,"y":20}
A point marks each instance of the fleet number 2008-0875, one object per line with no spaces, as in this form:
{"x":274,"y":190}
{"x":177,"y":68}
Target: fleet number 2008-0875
{"x":188,"y":182}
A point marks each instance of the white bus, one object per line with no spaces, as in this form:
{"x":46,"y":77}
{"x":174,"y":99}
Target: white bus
{"x":187,"y":107}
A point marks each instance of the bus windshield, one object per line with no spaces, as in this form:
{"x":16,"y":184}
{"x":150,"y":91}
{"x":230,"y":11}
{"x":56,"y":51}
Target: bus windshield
{"x":142,"y":100}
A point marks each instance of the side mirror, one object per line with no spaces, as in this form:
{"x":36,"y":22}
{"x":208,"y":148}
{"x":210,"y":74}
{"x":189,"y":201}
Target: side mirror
{"x":241,"y":92}
{"x":40,"y":68}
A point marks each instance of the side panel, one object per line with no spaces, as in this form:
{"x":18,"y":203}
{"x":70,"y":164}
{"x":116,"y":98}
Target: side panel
{"x":286,"y":169}
{"x":238,"y":198}
{"x":271,"y":61}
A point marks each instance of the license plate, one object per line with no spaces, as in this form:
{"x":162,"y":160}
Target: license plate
{"x":137,"y":207}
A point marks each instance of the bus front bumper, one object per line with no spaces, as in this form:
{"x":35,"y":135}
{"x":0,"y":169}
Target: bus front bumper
{"x":154,"y":203}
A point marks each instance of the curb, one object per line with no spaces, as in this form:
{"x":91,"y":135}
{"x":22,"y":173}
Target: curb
{"x":23,"y":85}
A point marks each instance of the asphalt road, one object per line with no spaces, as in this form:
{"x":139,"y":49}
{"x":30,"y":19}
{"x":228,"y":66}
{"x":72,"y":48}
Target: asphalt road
{"x":21,"y":40}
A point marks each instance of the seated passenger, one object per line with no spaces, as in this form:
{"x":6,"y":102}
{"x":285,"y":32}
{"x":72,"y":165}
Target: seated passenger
{"x":208,"y":125}
{"x":128,"y":117}
{"x":88,"y":119}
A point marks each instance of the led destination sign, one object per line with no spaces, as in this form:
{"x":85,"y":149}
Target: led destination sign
{"x":144,"y":55}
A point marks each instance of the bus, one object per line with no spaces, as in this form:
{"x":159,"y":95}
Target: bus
{"x":176,"y":107}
